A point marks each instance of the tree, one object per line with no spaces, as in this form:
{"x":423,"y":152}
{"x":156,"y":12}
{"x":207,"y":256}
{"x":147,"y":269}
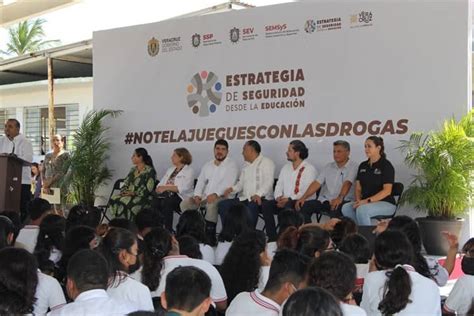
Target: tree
{"x":27,"y":37}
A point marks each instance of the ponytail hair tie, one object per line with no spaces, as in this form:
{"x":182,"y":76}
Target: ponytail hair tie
{"x":399,"y":266}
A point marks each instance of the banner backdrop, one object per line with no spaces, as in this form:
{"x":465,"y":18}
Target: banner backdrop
{"x":318,"y":72}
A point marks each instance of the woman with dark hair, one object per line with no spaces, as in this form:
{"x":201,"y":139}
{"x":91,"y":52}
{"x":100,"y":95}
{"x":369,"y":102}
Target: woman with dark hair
{"x":336,"y":272}
{"x":136,"y":192}
{"x":120,"y":249}
{"x":312,"y":301}
{"x":50,"y":243}
{"x":189,"y":246}
{"x":7,"y":231}
{"x":246,"y":266}
{"x":193,"y":224}
{"x":176,"y":185}
{"x":396,"y":288}
{"x":311,"y":241}
{"x":236,"y":222}
{"x":18,"y":281}
{"x":36,"y":181}
{"x":81,"y":214}
{"x":373,"y":190}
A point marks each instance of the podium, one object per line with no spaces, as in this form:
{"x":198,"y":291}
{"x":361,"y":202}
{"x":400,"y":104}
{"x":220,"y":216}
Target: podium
{"x":10,"y":182}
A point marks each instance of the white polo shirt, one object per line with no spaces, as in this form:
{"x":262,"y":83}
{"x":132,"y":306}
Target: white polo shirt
{"x":252,"y":303}
{"x":207,"y":253}
{"x":461,"y":296}
{"x":293,"y":183}
{"x":23,"y":149}
{"x":424,"y":297}
{"x":128,"y":289}
{"x":28,"y":236}
{"x":256,"y":178}
{"x":221,"y":251}
{"x":49,"y":294}
{"x":218,"y":293}
{"x":216,"y":179}
{"x":95,"y":302}
{"x":184,"y":180}
{"x":332,"y":177}
{"x":272,"y":248}
{"x":352,"y":310}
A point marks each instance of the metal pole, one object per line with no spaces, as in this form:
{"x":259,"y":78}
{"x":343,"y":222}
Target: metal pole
{"x":51,"y":118}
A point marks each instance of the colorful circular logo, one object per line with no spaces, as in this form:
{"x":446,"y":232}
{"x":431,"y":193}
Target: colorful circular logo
{"x":204,"y":93}
{"x":310,"y":26}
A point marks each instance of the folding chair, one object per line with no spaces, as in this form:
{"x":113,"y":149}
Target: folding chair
{"x":105,"y":208}
{"x":397,"y":192}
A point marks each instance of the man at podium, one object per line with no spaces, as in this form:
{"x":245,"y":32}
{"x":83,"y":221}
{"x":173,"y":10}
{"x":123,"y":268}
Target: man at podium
{"x":17,"y":144}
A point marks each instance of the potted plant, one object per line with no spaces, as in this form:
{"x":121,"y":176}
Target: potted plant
{"x":86,"y":169}
{"x":444,"y":183}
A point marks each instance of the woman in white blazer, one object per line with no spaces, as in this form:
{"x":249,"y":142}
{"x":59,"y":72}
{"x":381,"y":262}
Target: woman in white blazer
{"x":176,"y":185}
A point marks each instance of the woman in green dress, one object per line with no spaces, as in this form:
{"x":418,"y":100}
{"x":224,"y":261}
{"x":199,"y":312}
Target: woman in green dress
{"x":136,"y":192}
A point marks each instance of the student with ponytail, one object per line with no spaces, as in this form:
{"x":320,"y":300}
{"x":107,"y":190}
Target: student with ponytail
{"x":309,"y":240}
{"x":396,"y":288}
{"x":136,"y":192}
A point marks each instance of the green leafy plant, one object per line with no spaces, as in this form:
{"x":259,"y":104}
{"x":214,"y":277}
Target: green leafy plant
{"x":86,"y":170}
{"x":444,"y":161}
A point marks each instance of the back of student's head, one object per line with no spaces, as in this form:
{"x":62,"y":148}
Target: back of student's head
{"x":312,"y":301}
{"x":335,"y":272}
{"x":189,"y":246}
{"x":147,"y":218}
{"x":288,"y":218}
{"x":18,"y":281}
{"x":82,"y":214}
{"x":158,"y":243}
{"x":51,"y":235}
{"x":125,"y":224}
{"x":37,"y":208}
{"x":287,"y":266}
{"x":16,"y":221}
{"x":308,"y":241}
{"x":342,"y":229}
{"x":116,"y":240}
{"x":357,"y":247}
{"x":7,"y":230}
{"x":192,"y":223}
{"x":236,"y":221}
{"x":392,"y":250}
{"x":186,"y":288}
{"x":88,"y":270}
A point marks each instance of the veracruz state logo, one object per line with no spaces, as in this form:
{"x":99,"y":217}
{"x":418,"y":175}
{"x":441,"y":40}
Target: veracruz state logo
{"x":204,"y":93}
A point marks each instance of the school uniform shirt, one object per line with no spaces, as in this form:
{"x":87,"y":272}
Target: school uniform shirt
{"x":95,"y":302}
{"x":424,"y":297}
{"x":129,"y":289}
{"x":362,"y":271}
{"x":253,"y":303}
{"x":293,"y":183}
{"x":221,"y":251}
{"x":272,"y":248}
{"x":28,"y":236}
{"x":216,"y":179}
{"x":184,"y":180}
{"x":256,"y":178}
{"x":263,"y":279}
{"x":332,"y":178}
{"x":23,"y":150}
{"x":218,"y":293}
{"x":373,"y":177}
{"x":461,"y":296}
{"x":49,"y":294}
{"x":207,"y":253}
{"x":352,"y":310}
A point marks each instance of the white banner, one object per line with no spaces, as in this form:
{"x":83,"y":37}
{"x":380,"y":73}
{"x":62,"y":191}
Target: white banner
{"x":318,"y":72}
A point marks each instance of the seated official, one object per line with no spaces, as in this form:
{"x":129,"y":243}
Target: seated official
{"x":176,"y":185}
{"x":255,"y":185}
{"x":374,"y":182}
{"x":294,"y":179}
{"x":136,"y":192}
{"x":335,"y":183}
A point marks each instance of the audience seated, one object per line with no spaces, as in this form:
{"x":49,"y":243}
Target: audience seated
{"x":312,"y":301}
{"x":145,"y":220}
{"x":189,"y":246}
{"x":37,"y":210}
{"x":311,"y":241}
{"x":357,"y":247}
{"x":83,"y":215}
{"x":286,"y":218}
{"x":50,"y":242}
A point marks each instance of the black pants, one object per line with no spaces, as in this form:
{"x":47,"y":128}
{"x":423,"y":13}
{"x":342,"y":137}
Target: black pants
{"x":26,"y":197}
{"x":318,"y":207}
{"x":167,"y":206}
{"x":269,"y":209}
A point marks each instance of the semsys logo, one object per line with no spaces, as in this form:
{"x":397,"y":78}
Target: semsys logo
{"x":276,"y":27}
{"x":204,"y":93}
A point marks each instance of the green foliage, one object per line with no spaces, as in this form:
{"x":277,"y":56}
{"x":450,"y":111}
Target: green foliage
{"x":27,"y":37}
{"x":86,"y":168}
{"x":444,"y":161}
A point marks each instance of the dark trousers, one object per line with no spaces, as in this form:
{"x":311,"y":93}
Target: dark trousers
{"x":167,"y":206}
{"x":318,"y":207}
{"x":269,"y":209}
{"x":253,"y":209}
{"x":26,"y":197}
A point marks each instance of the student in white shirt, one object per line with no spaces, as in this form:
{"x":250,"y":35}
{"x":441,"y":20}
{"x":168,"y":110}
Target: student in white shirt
{"x":216,"y":176}
{"x":311,"y":241}
{"x":87,"y":278}
{"x":193,"y":224}
{"x":336,"y":272}
{"x":461,"y":299}
{"x":182,"y":297}
{"x":120,"y":249}
{"x":161,"y":255}
{"x":336,"y":183}
{"x":236,"y":222}
{"x":255,"y":185}
{"x":176,"y":185}
{"x":294,"y":179}
{"x":287,"y":274}
{"x":49,"y":294}
{"x":38,"y":209}
{"x":312,"y":301}
{"x":50,"y":242}
{"x":357,"y":247}
{"x":15,"y":143}
{"x":286,"y":219}
{"x":396,"y":288}
{"x":246,"y":265}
